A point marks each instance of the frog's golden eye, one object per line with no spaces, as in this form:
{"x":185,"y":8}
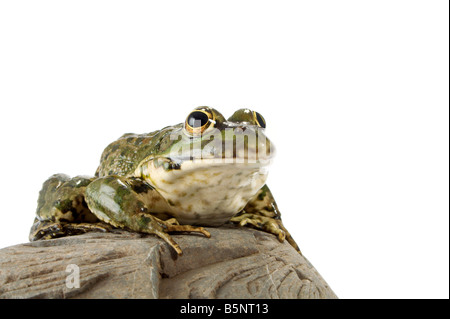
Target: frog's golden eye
{"x":198,"y":121}
{"x":259,"y":119}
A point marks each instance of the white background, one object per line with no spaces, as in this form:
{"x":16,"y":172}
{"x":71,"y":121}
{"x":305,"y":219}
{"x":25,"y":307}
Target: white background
{"x":355,"y":94}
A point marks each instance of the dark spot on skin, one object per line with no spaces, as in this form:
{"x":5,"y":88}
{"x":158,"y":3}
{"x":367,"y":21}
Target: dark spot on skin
{"x":109,"y":150}
{"x":157,"y":146}
{"x":63,"y":205}
{"x":144,"y":221}
{"x":170,"y":165}
{"x":170,"y":202}
{"x":166,"y":163}
{"x":122,"y":192}
{"x":138,"y":141}
{"x":139,"y":186}
{"x":105,"y":156}
{"x":262,"y":194}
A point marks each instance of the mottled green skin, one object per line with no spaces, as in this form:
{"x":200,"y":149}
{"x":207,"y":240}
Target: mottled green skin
{"x":123,"y":156}
{"x":122,"y":193}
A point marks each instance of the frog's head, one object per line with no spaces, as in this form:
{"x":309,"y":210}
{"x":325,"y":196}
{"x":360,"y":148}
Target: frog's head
{"x":209,"y":167}
{"x":207,"y":137}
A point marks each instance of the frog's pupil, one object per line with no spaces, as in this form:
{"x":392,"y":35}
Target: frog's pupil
{"x":261,"y":121}
{"x":197,"y":119}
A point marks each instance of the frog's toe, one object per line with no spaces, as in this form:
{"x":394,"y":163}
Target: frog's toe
{"x":169,"y":227}
{"x":248,"y":221}
{"x":272,"y":227}
{"x":172,"y":221}
{"x":266,"y":224}
{"x":150,"y":224}
{"x":188,"y":228}
{"x":179,"y":228}
{"x":281,"y":236}
{"x":46,"y":230}
{"x":168,"y":239}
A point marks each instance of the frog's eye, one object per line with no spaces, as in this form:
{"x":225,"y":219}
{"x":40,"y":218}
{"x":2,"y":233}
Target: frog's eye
{"x":259,"y":119}
{"x":198,"y":121}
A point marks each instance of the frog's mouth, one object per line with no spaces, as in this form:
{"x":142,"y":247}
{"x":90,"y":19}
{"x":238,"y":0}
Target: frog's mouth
{"x":206,"y":172}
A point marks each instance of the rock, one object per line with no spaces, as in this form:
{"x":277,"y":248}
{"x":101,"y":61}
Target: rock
{"x":234,"y":263}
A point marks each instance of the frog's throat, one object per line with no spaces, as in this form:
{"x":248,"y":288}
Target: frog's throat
{"x":204,"y":193}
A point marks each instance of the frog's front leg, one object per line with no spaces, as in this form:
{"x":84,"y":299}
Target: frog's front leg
{"x":128,"y":203}
{"x":262,"y":212}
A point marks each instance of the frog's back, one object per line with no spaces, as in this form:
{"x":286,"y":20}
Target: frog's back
{"x":122,"y":156}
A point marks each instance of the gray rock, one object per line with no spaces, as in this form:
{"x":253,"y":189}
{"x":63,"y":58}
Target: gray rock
{"x":234,"y":263}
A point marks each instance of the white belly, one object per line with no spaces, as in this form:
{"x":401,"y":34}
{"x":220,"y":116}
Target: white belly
{"x":209,"y":195}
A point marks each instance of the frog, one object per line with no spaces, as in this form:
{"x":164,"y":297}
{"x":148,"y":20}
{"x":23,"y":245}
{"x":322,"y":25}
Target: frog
{"x":204,"y":172}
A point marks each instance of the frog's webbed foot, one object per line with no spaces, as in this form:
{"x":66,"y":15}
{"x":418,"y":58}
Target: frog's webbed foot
{"x":46,"y":230}
{"x":267,"y":224}
{"x":43,"y":230}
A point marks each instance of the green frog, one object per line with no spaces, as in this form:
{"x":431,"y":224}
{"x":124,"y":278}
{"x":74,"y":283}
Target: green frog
{"x":206,"y":171}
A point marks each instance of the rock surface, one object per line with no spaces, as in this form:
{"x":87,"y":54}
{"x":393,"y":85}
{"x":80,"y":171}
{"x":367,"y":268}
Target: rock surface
{"x":234,"y":263}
